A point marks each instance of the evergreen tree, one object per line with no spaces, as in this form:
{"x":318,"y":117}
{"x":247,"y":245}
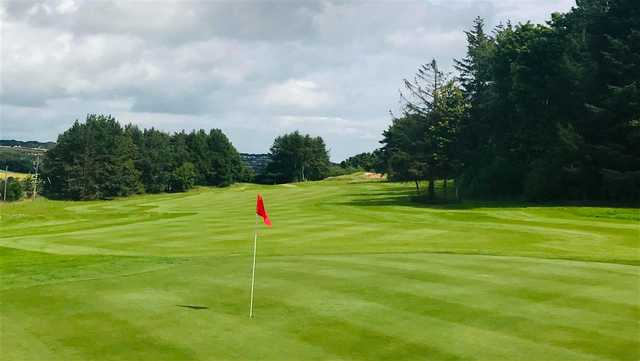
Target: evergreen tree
{"x":298,"y":158}
{"x":422,"y":144}
{"x":404,"y":150}
{"x":98,"y":159}
{"x":155,"y":165}
{"x":91,"y":160}
{"x":226,"y":166}
{"x":553,"y":109}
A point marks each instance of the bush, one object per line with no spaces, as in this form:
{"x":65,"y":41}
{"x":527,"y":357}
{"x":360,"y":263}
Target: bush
{"x":14,"y":189}
{"x":27,"y":186}
{"x":183,"y":178}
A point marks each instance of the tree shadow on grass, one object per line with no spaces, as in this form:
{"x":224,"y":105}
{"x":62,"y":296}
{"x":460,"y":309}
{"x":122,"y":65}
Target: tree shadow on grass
{"x":406,"y":197}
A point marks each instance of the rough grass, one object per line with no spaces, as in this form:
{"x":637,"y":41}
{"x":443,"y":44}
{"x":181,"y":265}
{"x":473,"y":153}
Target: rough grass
{"x":351,"y":270}
{"x":12,"y":175}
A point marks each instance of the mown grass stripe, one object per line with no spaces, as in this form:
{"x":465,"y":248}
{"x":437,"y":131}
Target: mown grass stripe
{"x":505,"y":283}
{"x":424,"y":321}
{"x":571,"y":338}
{"x":461,"y":290}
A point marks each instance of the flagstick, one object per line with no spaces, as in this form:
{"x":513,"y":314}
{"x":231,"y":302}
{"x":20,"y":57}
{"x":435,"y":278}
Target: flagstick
{"x":253,"y":270}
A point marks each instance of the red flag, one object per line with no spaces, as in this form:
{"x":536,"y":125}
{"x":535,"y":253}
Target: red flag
{"x":262,"y":212}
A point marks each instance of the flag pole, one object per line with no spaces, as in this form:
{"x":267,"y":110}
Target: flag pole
{"x":253,"y":269}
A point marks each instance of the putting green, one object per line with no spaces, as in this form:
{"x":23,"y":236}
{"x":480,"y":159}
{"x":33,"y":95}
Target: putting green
{"x":350,"y":270}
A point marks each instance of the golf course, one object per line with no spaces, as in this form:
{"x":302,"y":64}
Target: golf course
{"x":350,"y":270}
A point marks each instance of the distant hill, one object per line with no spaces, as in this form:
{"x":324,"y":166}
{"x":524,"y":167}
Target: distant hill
{"x":257,"y":162}
{"x":18,"y":159}
{"x":27,"y":144}
{"x":19,"y":156}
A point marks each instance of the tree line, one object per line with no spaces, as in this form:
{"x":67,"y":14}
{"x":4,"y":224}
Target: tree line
{"x":535,"y":111}
{"x":100,"y":159}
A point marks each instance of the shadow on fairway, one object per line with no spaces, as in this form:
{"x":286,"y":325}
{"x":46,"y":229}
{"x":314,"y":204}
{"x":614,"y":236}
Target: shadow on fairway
{"x":194,"y":307}
{"x":407,"y":198}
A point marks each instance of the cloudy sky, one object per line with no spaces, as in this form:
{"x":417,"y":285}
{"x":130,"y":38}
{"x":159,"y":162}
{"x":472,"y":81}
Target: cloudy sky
{"x":255,"y":69}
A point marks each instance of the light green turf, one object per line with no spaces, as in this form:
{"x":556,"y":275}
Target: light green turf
{"x":351,"y":270}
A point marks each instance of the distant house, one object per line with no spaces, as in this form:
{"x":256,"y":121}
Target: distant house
{"x":257,"y":162}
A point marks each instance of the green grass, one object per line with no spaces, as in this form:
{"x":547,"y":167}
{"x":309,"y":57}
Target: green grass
{"x":350,"y":271}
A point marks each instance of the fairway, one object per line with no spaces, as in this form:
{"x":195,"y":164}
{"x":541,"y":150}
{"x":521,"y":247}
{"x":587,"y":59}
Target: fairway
{"x":350,"y":271}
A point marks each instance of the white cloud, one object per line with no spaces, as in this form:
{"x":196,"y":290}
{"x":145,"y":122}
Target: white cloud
{"x":253,"y":68}
{"x":296,"y":93}
{"x":66,"y":6}
{"x":327,"y":125}
{"x":421,"y":38}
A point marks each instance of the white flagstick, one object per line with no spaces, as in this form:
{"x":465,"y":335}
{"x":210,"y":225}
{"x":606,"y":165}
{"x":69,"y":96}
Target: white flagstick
{"x":253,"y":270}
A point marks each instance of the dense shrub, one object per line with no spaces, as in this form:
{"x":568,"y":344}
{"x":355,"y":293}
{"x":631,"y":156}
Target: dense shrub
{"x":182,"y":178}
{"x":14,"y":188}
